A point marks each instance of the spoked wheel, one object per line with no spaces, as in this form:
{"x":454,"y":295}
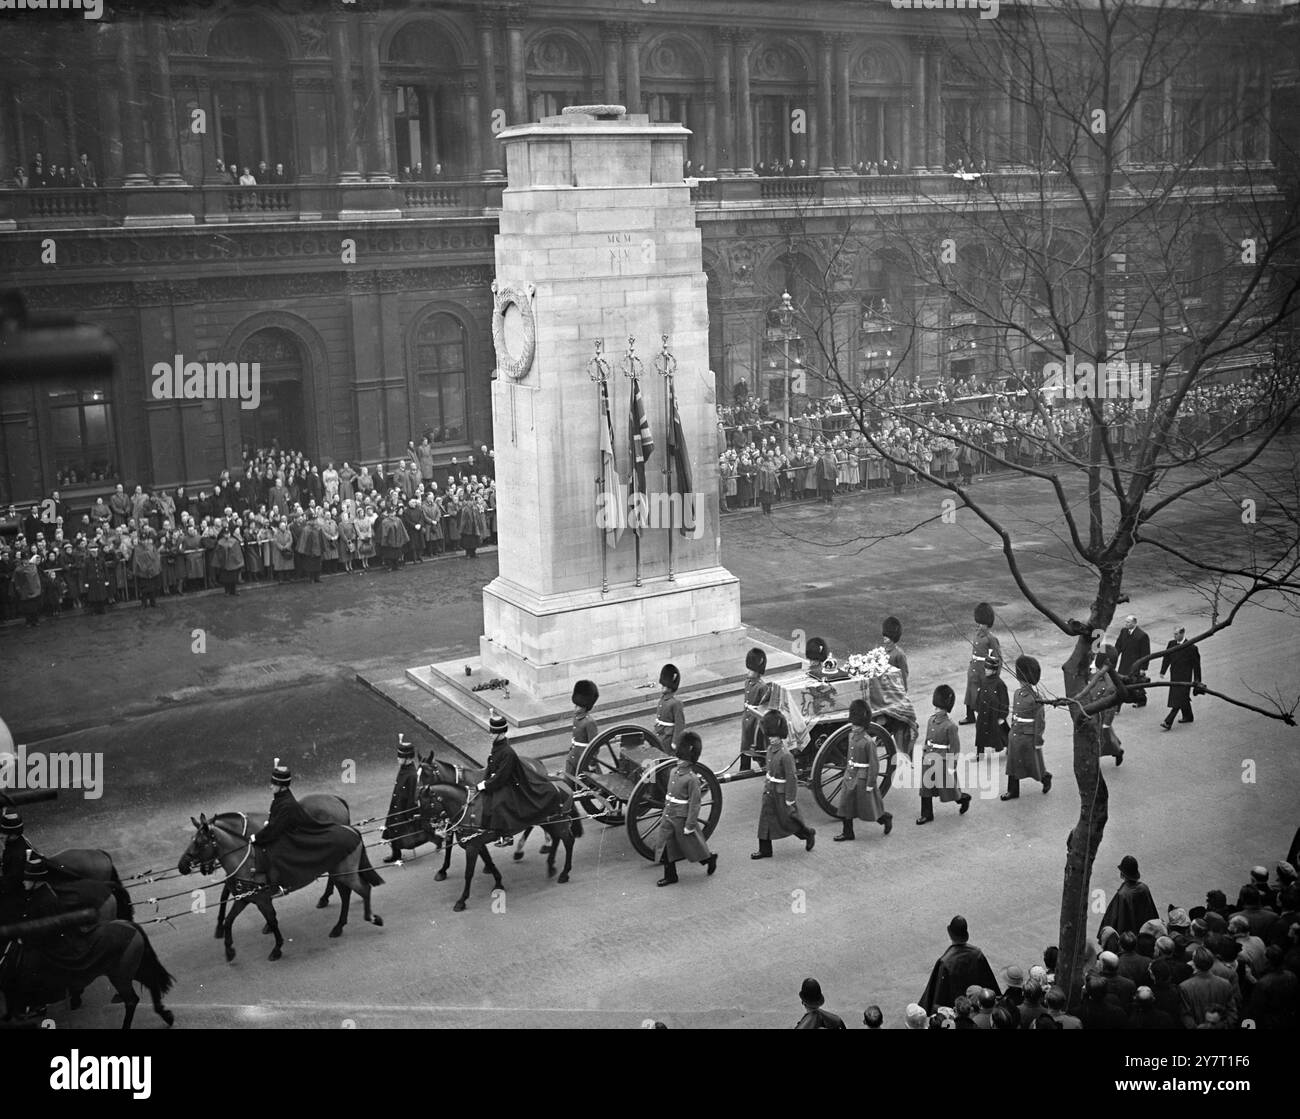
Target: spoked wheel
{"x":645,"y":811}
{"x":832,"y":762}
{"x":600,"y":759}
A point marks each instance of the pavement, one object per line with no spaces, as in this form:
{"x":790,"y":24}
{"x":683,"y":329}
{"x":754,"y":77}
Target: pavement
{"x":183,"y":731}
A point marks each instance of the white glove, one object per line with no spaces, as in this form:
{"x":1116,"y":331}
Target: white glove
{"x":481,"y":786}
{"x":790,"y":803}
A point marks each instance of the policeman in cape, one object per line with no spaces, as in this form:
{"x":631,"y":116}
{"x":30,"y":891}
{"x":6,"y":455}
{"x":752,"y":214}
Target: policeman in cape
{"x":685,"y":837}
{"x":859,"y":795}
{"x":670,"y":717}
{"x":757,"y":696}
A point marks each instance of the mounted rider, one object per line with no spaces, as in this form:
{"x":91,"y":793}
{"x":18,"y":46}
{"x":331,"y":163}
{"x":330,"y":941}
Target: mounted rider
{"x":14,"y":856}
{"x":294,"y":847}
{"x":516,"y":795}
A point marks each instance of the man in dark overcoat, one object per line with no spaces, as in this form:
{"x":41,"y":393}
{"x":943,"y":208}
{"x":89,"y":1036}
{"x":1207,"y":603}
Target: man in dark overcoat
{"x":1132,"y":906}
{"x":1182,"y":663}
{"x":1132,"y":645}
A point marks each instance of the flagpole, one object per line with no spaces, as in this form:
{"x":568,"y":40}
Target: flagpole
{"x":600,"y":375}
{"x":631,"y":365}
{"x":666,"y":364}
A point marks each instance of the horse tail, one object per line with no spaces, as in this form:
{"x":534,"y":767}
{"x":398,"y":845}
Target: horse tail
{"x":151,"y":972}
{"x":125,"y":907}
{"x":367,"y":873}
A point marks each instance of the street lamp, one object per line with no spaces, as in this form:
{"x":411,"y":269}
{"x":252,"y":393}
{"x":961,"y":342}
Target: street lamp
{"x":785,"y":317}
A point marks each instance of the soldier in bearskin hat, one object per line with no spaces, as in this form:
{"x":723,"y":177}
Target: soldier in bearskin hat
{"x":891,"y":633}
{"x":757,"y":696}
{"x":982,"y":644}
{"x":585,"y":695}
{"x":815,"y":652}
{"x":402,"y":826}
{"x":670,"y":718}
{"x":859,"y":796}
{"x":1025,"y":742}
{"x":780,"y":811}
{"x":684,"y":838}
{"x":939,"y":755}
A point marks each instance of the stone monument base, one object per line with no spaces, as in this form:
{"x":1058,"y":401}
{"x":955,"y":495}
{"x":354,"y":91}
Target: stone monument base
{"x":624,"y":635}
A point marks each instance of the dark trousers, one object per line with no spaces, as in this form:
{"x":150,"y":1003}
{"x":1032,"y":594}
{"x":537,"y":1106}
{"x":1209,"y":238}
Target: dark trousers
{"x":1183,"y":711}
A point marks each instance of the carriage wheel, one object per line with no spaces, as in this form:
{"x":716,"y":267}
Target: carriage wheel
{"x":833,"y":760}
{"x":601,"y":757}
{"x":645,"y":811}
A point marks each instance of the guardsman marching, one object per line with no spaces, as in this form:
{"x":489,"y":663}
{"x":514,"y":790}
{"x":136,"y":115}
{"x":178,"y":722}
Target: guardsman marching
{"x":859,"y":796}
{"x":780,"y":812}
{"x":682,"y":814}
{"x":1099,"y":686}
{"x":891,"y":632}
{"x":939,"y":757}
{"x":585,"y":695}
{"x":981,"y":646}
{"x":670,"y":718}
{"x":757,"y":694}
{"x":1025,"y":742}
{"x":815,"y":652}
{"x":402,"y":827}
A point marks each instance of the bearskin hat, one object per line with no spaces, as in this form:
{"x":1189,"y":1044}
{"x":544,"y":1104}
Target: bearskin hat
{"x":1028,"y":670}
{"x":944,"y":698}
{"x":860,"y":713}
{"x":816,"y":650}
{"x":688,"y":749}
{"x":775,"y":726}
{"x":670,"y":677}
{"x":984,"y":614}
{"x":756,"y":660}
{"x":585,"y":694}
{"x":892,"y":629}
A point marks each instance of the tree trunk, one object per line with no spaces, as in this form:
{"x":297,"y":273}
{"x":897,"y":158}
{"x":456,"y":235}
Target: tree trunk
{"x":1081,"y":846}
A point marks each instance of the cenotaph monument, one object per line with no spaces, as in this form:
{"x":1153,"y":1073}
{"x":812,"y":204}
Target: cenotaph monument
{"x":600,"y":294}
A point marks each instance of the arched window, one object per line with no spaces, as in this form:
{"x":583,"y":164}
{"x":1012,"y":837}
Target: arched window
{"x":277,"y":421}
{"x":440,"y":379}
{"x":428,"y":108}
{"x":251,"y":97}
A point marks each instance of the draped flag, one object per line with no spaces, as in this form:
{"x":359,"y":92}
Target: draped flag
{"x":608,"y":466}
{"x":640,"y":446}
{"x":681,"y":462}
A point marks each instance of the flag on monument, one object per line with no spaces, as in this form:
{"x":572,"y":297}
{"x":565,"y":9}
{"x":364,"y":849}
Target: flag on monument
{"x":679,"y":458}
{"x":608,"y":463}
{"x":640,"y":446}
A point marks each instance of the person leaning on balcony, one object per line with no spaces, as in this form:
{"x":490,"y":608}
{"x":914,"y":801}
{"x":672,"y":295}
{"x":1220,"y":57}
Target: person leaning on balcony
{"x":247,"y":179}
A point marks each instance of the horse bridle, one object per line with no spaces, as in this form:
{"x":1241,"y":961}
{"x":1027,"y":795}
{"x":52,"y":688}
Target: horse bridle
{"x":208,"y":862}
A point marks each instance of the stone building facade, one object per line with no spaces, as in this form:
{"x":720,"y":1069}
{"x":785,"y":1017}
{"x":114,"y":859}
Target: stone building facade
{"x":356,"y":270}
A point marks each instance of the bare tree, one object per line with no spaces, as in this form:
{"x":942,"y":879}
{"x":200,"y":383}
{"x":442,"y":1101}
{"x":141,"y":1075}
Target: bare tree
{"x":1126,"y":253}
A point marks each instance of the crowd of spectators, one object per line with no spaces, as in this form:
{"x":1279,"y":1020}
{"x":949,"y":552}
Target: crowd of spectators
{"x":1214,"y":966}
{"x":43,"y":176}
{"x":280,"y":518}
{"x":949,"y":431}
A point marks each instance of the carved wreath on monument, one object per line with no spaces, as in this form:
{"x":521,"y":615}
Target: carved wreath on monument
{"x":514,"y":330}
